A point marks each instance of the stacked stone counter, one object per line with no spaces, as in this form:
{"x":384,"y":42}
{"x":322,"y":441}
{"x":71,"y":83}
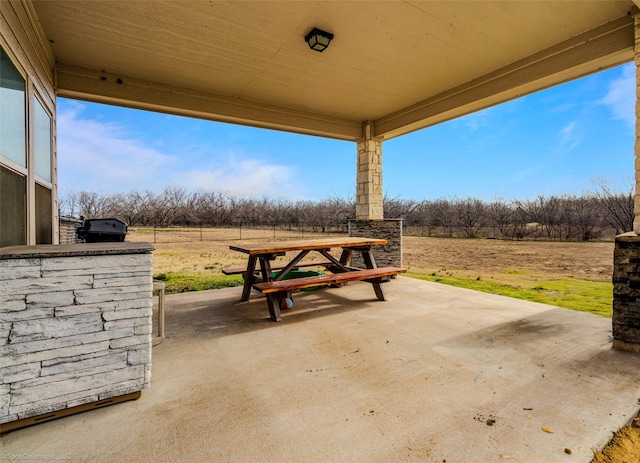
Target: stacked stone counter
{"x":626,"y":293}
{"x":75,"y":328}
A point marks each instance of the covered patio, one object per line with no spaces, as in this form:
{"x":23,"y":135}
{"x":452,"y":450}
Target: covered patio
{"x":435,"y":374}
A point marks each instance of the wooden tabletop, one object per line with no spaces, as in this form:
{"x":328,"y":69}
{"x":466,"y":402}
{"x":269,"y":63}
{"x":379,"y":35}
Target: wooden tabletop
{"x":301,"y":245}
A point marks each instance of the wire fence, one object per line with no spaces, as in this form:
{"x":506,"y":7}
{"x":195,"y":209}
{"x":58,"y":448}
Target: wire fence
{"x":248,"y":231}
{"x":240,"y":231}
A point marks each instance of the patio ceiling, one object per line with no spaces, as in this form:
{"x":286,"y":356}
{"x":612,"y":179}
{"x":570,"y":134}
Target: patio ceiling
{"x":404,"y":65}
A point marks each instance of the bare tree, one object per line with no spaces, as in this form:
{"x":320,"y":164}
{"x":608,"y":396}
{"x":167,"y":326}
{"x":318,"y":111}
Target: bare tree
{"x":617,"y":204}
{"x":541,"y":213}
{"x":581,"y":217}
{"x":444,"y":215}
{"x":470,"y":216}
{"x":501,"y":216}
{"x":91,"y":204}
{"x":69,"y":203}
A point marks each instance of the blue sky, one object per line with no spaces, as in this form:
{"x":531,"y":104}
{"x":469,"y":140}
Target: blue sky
{"x":553,"y":142}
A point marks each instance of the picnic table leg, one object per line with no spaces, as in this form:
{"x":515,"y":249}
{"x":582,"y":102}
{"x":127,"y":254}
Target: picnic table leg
{"x":370,"y":262}
{"x":345,"y":257}
{"x":265,"y":267}
{"x":248,"y":278}
{"x":273,"y":299}
{"x":274,"y":306}
{"x":377,"y":287}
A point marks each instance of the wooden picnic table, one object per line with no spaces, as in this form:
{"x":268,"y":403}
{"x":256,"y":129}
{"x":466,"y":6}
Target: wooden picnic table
{"x":276,"y":288}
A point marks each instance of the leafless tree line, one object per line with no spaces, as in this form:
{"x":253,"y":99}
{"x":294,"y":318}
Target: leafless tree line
{"x":603,"y":211}
{"x":180,"y":207}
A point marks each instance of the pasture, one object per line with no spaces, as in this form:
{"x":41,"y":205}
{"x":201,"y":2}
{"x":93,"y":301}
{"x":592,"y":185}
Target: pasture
{"x":574,"y":275}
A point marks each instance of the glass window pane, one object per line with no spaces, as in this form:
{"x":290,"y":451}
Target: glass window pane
{"x":13,"y":208}
{"x":44,"y":220}
{"x":12,"y":112}
{"x":42,"y":141}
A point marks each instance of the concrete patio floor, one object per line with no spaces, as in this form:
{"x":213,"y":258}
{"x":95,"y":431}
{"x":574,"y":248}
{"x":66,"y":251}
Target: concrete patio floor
{"x":434,"y":374}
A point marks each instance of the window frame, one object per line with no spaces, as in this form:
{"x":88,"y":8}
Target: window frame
{"x":34,"y":95}
{"x":7,"y":162}
{"x":37,"y":99}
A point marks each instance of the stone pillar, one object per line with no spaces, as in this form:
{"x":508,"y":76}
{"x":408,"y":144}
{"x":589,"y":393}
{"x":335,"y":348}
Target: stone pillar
{"x":369,"y":176}
{"x":626,"y":259}
{"x":626,"y":293}
{"x":636,"y":222}
{"x":370,"y":220}
{"x":389,"y":229}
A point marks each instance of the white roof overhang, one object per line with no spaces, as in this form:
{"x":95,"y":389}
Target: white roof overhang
{"x":404,"y":65}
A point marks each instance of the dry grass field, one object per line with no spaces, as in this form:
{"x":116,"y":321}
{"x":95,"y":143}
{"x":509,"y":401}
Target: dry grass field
{"x":574,"y":275}
{"x":182,"y":250}
{"x":569,"y":274}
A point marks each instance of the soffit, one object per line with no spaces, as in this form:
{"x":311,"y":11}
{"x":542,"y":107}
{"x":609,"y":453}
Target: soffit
{"x":392,"y":62}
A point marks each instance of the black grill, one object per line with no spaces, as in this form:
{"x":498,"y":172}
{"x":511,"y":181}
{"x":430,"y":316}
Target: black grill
{"x":102,"y":230}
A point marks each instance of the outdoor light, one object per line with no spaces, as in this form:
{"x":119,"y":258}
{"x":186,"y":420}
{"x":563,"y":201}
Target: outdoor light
{"x":318,"y":40}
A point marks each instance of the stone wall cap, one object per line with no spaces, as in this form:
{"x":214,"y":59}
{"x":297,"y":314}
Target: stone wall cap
{"x":70,"y":250}
{"x":629,"y":236}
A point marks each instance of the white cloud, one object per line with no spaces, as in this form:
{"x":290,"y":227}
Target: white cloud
{"x":621,"y":96}
{"x":569,"y":137}
{"x":479,"y":119}
{"x":103,"y":156}
{"x":108,"y":157}
{"x":243,"y":177}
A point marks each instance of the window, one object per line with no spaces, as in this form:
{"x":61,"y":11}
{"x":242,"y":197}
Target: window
{"x":44,"y":215}
{"x":42,"y":169}
{"x":13,"y":208}
{"x":13,"y":155}
{"x":27,"y":174}
{"x":12,"y":112}
{"x":41,"y":141}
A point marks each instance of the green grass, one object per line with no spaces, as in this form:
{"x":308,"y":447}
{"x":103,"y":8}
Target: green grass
{"x":514,"y":271}
{"x":570,"y":293}
{"x":180,"y":282}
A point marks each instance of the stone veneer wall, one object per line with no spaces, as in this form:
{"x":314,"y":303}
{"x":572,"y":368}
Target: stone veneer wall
{"x":389,"y":229}
{"x":369,"y":201}
{"x":626,"y":293}
{"x":75,"y":325}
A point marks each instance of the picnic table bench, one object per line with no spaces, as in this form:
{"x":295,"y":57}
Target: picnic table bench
{"x":276,"y":288}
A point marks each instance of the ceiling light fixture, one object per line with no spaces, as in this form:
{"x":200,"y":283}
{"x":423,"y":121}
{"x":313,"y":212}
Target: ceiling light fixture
{"x":318,"y":40}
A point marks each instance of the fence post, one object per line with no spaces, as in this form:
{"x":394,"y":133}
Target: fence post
{"x":240,"y":230}
{"x":200,"y":232}
{"x":274,"y":230}
{"x":154,"y":233}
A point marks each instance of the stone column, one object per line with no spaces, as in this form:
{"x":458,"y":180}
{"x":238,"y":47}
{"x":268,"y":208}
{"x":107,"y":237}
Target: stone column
{"x":369,"y":176}
{"x":626,"y":293}
{"x":370,"y":220}
{"x":388,"y":229}
{"x":626,"y":258}
{"x":636,"y":222}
